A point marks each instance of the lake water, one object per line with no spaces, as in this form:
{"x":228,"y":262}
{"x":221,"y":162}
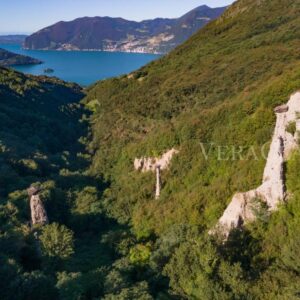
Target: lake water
{"x":83,"y":67}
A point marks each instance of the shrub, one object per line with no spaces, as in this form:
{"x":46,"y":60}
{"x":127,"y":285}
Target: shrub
{"x":57,"y":241}
{"x":291,"y":128}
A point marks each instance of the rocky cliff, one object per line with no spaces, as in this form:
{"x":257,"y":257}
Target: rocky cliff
{"x":272,"y":191}
{"x":146,"y":164}
{"x":155,"y":164}
{"x":37,"y":209}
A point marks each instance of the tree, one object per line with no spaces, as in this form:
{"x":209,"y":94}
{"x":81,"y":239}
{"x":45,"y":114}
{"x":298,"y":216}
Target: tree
{"x":57,"y":241}
{"x":138,"y":291}
{"x":36,"y":285}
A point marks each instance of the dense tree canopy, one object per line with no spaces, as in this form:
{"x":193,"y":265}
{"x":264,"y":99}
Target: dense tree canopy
{"x":112,"y":238}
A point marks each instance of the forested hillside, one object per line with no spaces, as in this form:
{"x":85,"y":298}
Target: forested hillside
{"x":109,"y":237}
{"x":39,"y":132}
{"x":82,"y":253}
{"x":219,"y":87}
{"x":8,"y":58}
{"x":39,"y":120}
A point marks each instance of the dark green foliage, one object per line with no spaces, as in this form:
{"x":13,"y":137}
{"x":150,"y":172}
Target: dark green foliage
{"x":80,"y":286}
{"x":138,"y":292}
{"x":291,"y":128}
{"x":260,"y":210}
{"x":11,"y":59}
{"x":220,"y":89}
{"x":77,"y":255}
{"x":36,"y":285}
{"x":31,"y":137}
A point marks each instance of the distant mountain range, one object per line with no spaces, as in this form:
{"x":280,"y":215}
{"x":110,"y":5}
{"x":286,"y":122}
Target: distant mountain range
{"x":117,"y":34}
{"x":12,"y":39}
{"x":8,"y":58}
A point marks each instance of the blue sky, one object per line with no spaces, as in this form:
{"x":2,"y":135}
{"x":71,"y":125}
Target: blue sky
{"x":27,"y":16}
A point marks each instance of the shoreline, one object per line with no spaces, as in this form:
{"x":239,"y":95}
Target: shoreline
{"x":98,"y":50}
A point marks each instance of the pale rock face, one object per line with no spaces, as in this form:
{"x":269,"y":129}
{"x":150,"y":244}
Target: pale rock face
{"x":272,"y":190}
{"x":237,"y":211}
{"x":155,"y":164}
{"x":158,"y":184}
{"x":37,"y":209}
{"x":146,"y":164}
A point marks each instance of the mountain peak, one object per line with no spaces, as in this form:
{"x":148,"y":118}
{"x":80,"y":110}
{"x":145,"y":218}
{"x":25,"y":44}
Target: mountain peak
{"x":159,"y":35}
{"x":204,"y":6}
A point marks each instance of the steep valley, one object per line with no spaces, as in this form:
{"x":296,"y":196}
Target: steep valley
{"x":130,"y":173}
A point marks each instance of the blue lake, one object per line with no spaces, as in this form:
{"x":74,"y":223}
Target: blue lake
{"x":83,"y":67}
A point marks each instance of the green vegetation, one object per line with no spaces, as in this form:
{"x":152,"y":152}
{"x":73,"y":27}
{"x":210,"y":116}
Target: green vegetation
{"x":118,"y":241}
{"x":291,"y":128}
{"x":8,"y":58}
{"x":57,"y":241}
{"x":82,"y":254}
{"x":220,"y":87}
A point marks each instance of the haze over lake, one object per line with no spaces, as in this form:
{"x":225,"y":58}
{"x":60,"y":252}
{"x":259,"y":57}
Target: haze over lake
{"x":82,"y":67}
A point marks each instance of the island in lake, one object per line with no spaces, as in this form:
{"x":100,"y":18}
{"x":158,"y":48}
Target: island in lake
{"x":48,"y":71}
{"x":8,"y":58}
